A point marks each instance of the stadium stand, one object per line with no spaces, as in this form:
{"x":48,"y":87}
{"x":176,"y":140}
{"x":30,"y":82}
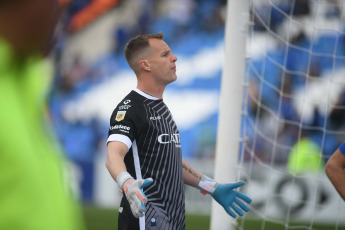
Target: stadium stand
{"x":203,"y":27}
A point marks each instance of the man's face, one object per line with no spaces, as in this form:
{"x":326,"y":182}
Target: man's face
{"x":162,"y":62}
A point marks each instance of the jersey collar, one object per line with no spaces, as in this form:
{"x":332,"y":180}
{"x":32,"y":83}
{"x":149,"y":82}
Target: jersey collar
{"x":148,"y":96}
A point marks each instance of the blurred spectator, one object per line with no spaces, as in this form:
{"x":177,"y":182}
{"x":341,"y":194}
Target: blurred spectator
{"x":34,"y":190}
{"x":334,"y":9}
{"x":75,"y":73}
{"x":269,"y":17}
{"x":288,"y":110}
{"x":179,"y":13}
{"x":337,"y":115}
{"x":301,"y":7}
{"x":305,"y":156}
{"x":210,"y":15}
{"x":121,"y":37}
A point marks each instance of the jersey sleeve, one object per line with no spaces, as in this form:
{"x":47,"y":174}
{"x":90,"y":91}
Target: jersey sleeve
{"x":122,"y":127}
{"x":342,"y":148}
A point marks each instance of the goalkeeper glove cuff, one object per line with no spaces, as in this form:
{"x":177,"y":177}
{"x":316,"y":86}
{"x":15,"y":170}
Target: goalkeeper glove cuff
{"x":207,"y":185}
{"x":122,"y":178}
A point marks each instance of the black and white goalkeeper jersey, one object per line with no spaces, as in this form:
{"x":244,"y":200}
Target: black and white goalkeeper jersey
{"x":145,"y":124}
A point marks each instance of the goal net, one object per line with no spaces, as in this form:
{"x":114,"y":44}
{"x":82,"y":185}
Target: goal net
{"x":293,"y":113}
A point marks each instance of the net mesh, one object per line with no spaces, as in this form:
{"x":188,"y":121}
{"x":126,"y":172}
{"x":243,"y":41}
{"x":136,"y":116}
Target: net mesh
{"x":293,"y":113}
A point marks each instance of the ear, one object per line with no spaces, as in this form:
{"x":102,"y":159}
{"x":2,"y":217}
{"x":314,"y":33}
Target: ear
{"x":144,"y":65}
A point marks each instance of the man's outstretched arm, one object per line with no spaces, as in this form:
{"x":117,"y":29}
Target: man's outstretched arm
{"x":225,"y":194}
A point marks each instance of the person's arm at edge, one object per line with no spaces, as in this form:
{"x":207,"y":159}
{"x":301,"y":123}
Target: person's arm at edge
{"x":335,"y":171}
{"x":116,"y":152}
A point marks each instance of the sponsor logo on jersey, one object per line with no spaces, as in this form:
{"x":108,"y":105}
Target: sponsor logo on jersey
{"x":120,"y":115}
{"x":120,"y":127}
{"x":170,"y":138}
{"x":126,"y":102}
{"x":125,"y":107}
{"x":156,"y":118}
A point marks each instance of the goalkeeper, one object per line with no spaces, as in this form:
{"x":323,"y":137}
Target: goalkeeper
{"x":34,"y":193}
{"x":335,"y":170}
{"x":144,"y":148}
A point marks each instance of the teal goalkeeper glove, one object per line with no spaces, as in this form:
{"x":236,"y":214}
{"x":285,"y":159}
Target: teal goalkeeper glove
{"x":133,"y":190}
{"x":226,"y":195}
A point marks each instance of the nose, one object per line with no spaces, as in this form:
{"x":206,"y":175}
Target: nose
{"x":174,"y":58}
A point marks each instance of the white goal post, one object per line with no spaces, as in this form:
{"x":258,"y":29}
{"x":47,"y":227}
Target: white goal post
{"x":230,"y":112}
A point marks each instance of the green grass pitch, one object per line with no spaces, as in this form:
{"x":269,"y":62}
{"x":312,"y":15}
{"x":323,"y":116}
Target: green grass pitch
{"x":106,"y":219}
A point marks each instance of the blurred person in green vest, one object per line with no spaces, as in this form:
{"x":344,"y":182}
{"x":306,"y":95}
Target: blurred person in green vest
{"x":34,"y":190}
{"x":305,"y":156}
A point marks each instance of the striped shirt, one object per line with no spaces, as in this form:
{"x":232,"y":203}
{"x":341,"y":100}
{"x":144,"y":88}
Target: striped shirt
{"x":145,"y":124}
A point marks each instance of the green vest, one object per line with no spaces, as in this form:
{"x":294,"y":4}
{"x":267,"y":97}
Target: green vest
{"x":34,"y":192}
{"x":305,"y":157}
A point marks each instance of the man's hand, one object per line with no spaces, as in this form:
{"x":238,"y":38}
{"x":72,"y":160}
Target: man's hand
{"x":133,"y":190}
{"x":226,"y":196}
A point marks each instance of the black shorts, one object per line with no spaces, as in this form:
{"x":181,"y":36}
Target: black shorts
{"x":157,"y":220}
{"x":126,"y":220}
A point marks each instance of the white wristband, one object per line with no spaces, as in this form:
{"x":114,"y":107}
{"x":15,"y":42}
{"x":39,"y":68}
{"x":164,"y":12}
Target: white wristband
{"x":122,"y":177}
{"x":207,"y":185}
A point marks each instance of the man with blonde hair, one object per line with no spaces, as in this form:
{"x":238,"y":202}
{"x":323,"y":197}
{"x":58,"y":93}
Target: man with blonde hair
{"x":144,"y":148}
